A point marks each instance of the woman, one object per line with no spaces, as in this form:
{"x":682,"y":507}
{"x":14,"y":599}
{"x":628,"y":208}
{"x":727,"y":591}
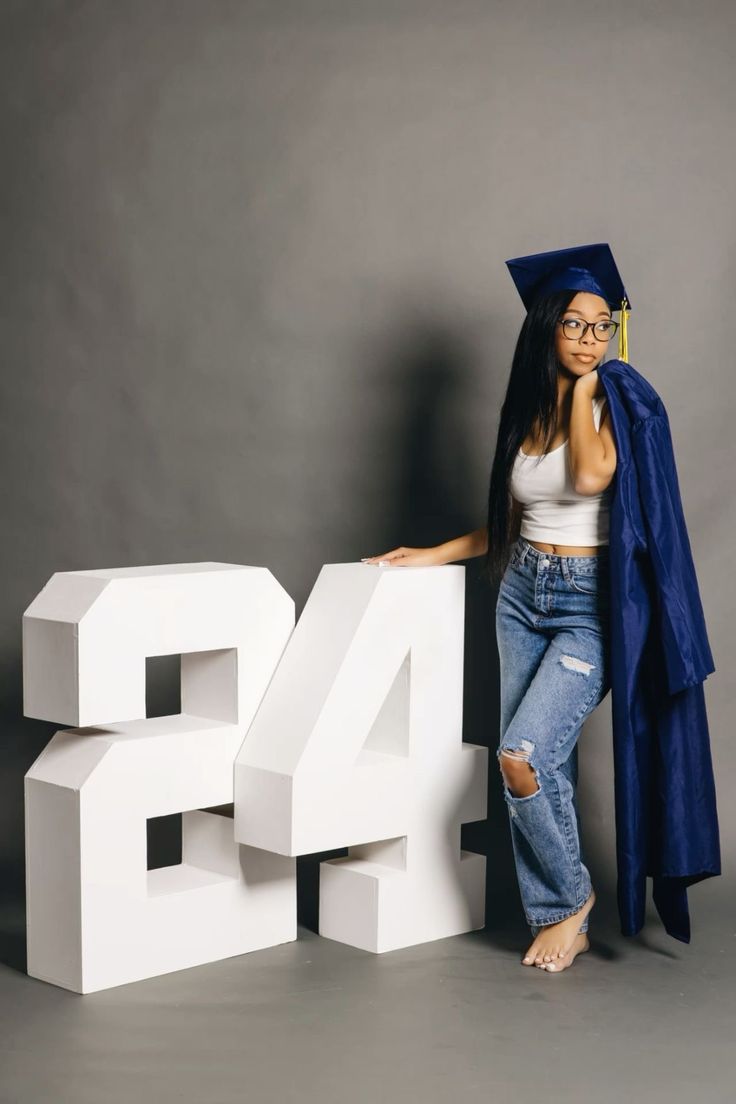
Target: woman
{"x":547,"y":536}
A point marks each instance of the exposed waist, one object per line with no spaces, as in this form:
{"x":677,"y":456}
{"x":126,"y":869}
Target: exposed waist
{"x":527,"y":548}
{"x":569,"y":549}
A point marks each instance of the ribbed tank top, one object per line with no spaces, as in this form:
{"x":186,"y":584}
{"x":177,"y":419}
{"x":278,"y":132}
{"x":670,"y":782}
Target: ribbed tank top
{"x":553,"y":512}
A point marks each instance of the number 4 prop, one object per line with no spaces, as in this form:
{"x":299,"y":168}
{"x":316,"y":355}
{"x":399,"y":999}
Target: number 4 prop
{"x":342,"y":731}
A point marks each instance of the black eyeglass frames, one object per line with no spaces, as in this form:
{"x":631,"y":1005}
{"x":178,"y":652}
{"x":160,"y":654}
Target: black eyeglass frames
{"x":575,"y":328}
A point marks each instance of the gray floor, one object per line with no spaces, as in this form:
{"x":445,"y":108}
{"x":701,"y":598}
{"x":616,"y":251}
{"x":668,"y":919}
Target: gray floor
{"x":642,"y":1019}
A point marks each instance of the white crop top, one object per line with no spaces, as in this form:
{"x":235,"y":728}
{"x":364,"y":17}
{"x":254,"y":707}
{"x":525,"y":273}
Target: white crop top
{"x":553,"y":512}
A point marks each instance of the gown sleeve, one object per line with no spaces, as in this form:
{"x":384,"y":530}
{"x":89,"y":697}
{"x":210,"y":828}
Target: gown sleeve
{"x":687,"y":654}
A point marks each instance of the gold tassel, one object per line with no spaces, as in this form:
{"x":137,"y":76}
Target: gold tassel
{"x":623,"y":337}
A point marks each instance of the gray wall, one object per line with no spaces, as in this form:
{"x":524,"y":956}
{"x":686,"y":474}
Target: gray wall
{"x":254,"y":306}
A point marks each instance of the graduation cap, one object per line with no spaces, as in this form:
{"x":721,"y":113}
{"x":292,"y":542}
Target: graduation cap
{"x":581,"y":268}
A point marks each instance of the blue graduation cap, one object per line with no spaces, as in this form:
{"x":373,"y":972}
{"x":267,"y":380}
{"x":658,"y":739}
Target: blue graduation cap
{"x":581,"y":268}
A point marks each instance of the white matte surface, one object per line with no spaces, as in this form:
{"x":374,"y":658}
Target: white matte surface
{"x":358,"y":743}
{"x":96,"y":916}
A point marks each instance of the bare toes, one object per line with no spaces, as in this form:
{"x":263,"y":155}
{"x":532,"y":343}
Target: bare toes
{"x":558,"y":965}
{"x":529,"y":956}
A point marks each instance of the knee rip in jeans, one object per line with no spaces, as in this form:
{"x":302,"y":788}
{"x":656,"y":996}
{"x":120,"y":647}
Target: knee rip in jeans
{"x":522,"y":755}
{"x":574,"y":664}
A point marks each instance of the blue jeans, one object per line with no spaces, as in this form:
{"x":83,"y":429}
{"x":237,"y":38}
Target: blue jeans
{"x":552,"y":630}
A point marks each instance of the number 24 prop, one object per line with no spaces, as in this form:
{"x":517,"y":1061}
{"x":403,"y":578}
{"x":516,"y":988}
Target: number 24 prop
{"x":341,"y":731}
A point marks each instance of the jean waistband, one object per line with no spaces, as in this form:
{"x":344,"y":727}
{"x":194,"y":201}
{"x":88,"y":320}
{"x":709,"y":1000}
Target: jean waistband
{"x":523,"y":547}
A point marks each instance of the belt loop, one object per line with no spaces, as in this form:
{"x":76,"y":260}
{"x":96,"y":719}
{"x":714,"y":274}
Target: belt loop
{"x":524,"y":549}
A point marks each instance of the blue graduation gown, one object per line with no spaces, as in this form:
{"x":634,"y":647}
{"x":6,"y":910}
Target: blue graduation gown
{"x":665,"y":801}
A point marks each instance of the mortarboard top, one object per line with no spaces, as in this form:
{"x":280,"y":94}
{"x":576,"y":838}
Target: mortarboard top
{"x":581,"y":268}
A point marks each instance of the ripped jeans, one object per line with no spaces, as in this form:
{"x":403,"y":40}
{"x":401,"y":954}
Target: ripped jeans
{"x":552,"y":631}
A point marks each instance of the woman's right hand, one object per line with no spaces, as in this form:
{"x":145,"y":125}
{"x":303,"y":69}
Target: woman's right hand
{"x":408,"y":557}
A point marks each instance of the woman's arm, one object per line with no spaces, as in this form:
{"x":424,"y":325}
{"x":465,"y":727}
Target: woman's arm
{"x":592,"y":453}
{"x":476,"y":543}
{"x":465,"y":547}
{"x":460,"y":548}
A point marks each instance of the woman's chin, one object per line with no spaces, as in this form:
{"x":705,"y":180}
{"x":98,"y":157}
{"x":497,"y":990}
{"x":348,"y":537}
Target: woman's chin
{"x":580,"y":368}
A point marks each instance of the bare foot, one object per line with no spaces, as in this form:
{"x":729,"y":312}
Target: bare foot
{"x":581,"y":943}
{"x":555,"y":940}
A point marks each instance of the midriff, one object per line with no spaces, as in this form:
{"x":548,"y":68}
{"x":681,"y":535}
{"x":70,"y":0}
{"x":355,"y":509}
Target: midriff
{"x":568,"y":549}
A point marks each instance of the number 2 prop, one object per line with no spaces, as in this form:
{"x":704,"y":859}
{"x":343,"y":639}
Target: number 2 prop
{"x":342,"y":730}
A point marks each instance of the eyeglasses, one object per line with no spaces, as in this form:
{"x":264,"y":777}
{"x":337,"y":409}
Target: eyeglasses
{"x":575,"y":328}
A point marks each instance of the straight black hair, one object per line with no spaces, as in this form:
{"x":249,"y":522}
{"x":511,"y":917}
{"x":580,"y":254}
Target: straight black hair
{"x":531,"y":398}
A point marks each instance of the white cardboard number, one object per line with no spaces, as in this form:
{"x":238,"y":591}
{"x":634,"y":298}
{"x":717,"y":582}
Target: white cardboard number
{"x":344,"y":731}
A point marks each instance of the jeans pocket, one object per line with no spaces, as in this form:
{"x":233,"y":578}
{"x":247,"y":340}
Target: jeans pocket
{"x":506,"y":577}
{"x":585,"y":582}
{"x":514,"y":553}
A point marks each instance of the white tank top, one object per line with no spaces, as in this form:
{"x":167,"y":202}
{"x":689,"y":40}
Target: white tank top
{"x":553,"y":512}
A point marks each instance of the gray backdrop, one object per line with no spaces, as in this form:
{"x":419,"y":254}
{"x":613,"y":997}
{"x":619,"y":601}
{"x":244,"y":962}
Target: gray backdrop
{"x":255,"y":308}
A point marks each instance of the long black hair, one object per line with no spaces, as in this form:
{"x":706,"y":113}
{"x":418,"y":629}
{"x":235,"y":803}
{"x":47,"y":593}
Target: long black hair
{"x":531,"y":398}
